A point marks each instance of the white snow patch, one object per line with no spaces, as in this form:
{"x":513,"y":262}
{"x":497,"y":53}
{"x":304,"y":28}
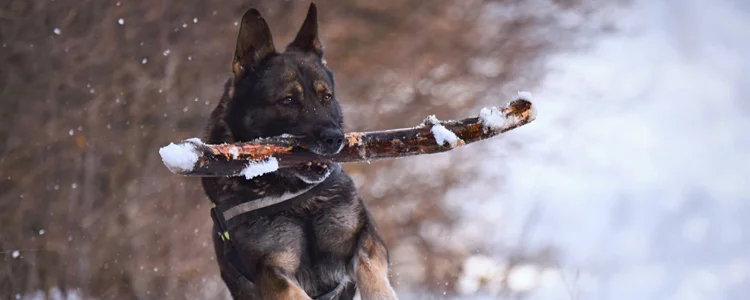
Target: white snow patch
{"x":443,"y":135}
{"x":523,"y":278}
{"x":431,"y":119}
{"x":15,"y":254}
{"x":492,"y":118}
{"x":179,"y":157}
{"x":528,"y":97}
{"x":479,"y":270}
{"x":254,"y":169}
{"x":235,"y":153}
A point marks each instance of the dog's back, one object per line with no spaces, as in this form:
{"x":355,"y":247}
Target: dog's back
{"x":297,"y":233}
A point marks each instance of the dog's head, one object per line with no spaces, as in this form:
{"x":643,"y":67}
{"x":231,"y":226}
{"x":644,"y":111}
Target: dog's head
{"x":291,"y":92}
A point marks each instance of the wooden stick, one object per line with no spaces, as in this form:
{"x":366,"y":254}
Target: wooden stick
{"x":193,"y":158}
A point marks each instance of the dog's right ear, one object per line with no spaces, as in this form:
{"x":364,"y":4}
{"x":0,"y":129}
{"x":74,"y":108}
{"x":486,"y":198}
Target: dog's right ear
{"x":254,"y":43}
{"x":307,"y":39}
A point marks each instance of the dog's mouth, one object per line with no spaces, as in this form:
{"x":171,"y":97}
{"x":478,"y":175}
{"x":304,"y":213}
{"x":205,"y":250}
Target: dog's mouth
{"x":312,"y":172}
{"x":324,"y":150}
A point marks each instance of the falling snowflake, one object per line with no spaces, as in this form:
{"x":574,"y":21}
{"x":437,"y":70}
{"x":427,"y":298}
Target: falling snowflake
{"x":121,"y":21}
{"x":144,"y":60}
{"x":56,"y":31}
{"x":16,"y":254}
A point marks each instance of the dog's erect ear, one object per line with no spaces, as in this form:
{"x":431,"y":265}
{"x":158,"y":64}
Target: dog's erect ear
{"x":307,"y":38}
{"x":254,"y":43}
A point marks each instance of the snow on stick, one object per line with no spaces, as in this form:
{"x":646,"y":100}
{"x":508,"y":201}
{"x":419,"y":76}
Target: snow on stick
{"x":194,"y":158}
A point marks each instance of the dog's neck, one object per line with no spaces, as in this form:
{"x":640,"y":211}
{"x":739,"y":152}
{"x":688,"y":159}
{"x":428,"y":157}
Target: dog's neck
{"x":270,"y":185}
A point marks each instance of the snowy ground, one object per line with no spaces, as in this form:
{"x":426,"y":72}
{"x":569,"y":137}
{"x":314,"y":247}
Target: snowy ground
{"x":638,"y":167}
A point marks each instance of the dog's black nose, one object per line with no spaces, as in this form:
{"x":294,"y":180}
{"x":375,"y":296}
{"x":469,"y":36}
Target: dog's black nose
{"x":332,"y":139}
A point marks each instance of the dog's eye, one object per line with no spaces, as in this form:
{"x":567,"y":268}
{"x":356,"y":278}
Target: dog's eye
{"x":327,"y":97}
{"x":286,"y":100}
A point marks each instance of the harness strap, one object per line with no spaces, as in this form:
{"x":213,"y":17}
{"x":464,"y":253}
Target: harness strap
{"x":238,"y":211}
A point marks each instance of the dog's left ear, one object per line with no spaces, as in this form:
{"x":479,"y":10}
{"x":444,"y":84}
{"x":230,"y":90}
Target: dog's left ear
{"x":307,"y":38}
{"x":254,"y":43}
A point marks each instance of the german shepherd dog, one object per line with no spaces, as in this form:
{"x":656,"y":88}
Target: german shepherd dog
{"x":323,"y":243}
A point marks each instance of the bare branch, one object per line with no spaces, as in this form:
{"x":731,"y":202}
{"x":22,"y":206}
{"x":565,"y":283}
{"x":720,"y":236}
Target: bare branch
{"x":193,"y":158}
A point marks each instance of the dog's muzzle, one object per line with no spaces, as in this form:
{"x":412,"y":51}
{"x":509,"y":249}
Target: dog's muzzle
{"x":329,"y":142}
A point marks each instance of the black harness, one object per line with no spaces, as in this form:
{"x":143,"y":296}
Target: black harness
{"x":233,"y":212}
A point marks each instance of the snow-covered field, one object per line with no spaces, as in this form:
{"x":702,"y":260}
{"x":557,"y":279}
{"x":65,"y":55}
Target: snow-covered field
{"x":637,"y":169}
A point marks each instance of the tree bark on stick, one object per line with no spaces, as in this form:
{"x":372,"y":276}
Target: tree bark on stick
{"x":286,"y":151}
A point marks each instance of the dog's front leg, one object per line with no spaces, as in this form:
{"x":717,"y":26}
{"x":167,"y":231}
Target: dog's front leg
{"x":274,"y":284}
{"x":371,"y":270}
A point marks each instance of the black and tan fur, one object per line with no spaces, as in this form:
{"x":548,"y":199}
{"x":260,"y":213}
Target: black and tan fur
{"x":306,"y":250}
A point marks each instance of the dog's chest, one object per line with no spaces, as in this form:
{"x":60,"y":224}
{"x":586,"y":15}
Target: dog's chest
{"x":314,"y":240}
{"x":328,"y":227}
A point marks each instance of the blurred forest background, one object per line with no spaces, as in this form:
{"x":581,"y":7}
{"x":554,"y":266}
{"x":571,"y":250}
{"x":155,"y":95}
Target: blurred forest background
{"x":91,"y":89}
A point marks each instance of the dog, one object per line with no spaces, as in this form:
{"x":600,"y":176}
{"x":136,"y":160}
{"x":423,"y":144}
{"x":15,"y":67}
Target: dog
{"x":304,"y":232}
